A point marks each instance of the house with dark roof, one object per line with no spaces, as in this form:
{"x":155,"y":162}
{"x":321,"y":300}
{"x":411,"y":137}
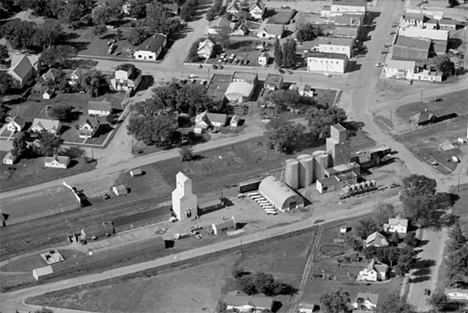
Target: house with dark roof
{"x":257,"y":9}
{"x":220,"y":23}
{"x":406,"y":48}
{"x":241,"y":302}
{"x":51,"y":75}
{"x":448,"y":24}
{"x":217,"y":119}
{"x":99,"y":108}
{"x":88,"y":126}
{"x":346,"y":31}
{"x":414,"y":19}
{"x":15,"y":124}
{"x":75,"y":76}
{"x":271,"y":31}
{"x":425,"y":118}
{"x":349,"y":19}
{"x":22,"y":71}
{"x":376,"y":239}
{"x":151,"y":48}
{"x":126,"y":77}
{"x":273,"y":82}
{"x":42,"y":124}
{"x":57,"y":161}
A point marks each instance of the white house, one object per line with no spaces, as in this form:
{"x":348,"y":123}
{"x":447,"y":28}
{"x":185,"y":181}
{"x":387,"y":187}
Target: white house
{"x":224,"y":226}
{"x":263,"y":59}
{"x":9,"y":159}
{"x":75,"y":76}
{"x":57,"y":162}
{"x":40,"y":124}
{"x":257,"y":9}
{"x":457,"y":294}
{"x":376,"y":240}
{"x":240,"y":302}
{"x":39,"y":273}
{"x":233,"y":7}
{"x":184,"y":202}
{"x":397,"y":225}
{"x":399,"y":69}
{"x":205,"y":49}
{"x":201,"y":122}
{"x":88,"y":126}
{"x":336,"y":45}
{"x":307,"y":308}
{"x":366,"y":301}
{"x":15,"y":124}
{"x":374,"y":272}
{"x":271,"y":31}
{"x":99,"y":108}
{"x":326,"y":62}
{"x":220,"y":23}
{"x":48,"y":94}
{"x":151,"y":48}
{"x":126,"y":77}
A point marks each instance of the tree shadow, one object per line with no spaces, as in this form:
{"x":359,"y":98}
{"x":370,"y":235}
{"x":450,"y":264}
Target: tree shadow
{"x":146,"y":82}
{"x":353,"y":66}
{"x":423,"y":270}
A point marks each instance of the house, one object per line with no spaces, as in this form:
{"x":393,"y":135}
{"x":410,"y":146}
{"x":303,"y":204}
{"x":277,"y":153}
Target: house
{"x":448,"y":24}
{"x":57,"y":161}
{"x":336,"y":45}
{"x":425,"y":118}
{"x":397,"y":225}
{"x":172,"y":8}
{"x":432,"y":24}
{"x":340,"y":7}
{"x":151,"y":48}
{"x":234,"y":7}
{"x":22,"y":68}
{"x":240,"y":302}
{"x":224,"y":226}
{"x":414,"y":19}
{"x":217,"y":119}
{"x":257,"y":9}
{"x":218,"y":24}
{"x":136,"y":172}
{"x":41,"y":124}
{"x":399,"y":69}
{"x":235,"y":120}
{"x":9,"y":159}
{"x":126,"y":77}
{"x":273,"y":82}
{"x":99,"y":108}
{"x":308,"y":308}
{"x":374,"y":272}
{"x":241,"y":30}
{"x":439,"y":38}
{"x":48,"y":94}
{"x":98,"y":230}
{"x":457,"y":294}
{"x":120,"y":190}
{"x":88,"y":126}
{"x":366,"y":301}
{"x":51,"y":75}
{"x":15,"y":124}
{"x":205,"y":49}
{"x":42,"y":272}
{"x":201,"y":122}
{"x":271,"y":31}
{"x":76,"y":76}
{"x":346,"y":32}
{"x":184,"y":201}
{"x":406,"y":48}
{"x":306,"y":91}
{"x":355,"y":20}
{"x":376,"y":239}
{"x":326,"y":62}
{"x":263,"y":59}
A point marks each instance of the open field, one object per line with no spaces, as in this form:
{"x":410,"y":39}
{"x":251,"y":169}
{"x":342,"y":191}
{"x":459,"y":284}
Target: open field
{"x":198,"y":287}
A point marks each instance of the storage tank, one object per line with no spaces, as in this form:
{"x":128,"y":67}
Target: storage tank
{"x":291,"y":173}
{"x":306,"y":170}
{"x":321,"y":159}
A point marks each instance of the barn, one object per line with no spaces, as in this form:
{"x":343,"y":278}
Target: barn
{"x":279,"y":194}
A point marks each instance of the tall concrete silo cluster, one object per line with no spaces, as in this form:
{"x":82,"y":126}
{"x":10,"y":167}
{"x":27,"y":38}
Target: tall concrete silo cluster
{"x":306,"y":169}
{"x":291,"y":173}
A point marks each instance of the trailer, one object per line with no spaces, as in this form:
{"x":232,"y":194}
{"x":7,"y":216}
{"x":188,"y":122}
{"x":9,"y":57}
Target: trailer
{"x":250,"y":185}
{"x":250,"y":194}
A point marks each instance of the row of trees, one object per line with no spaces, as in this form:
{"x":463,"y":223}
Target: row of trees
{"x":309,"y":32}
{"x":255,"y":283}
{"x":286,"y":56}
{"x":457,"y":262}
{"x":217,"y":9}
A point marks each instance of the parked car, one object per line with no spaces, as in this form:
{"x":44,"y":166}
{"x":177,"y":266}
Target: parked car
{"x":215,"y":67}
{"x":318,"y":221}
{"x":192,"y":76}
{"x":232,"y":56}
{"x":220,"y":67}
{"x":203,"y":82}
{"x":200,"y":66}
{"x":379,"y":64}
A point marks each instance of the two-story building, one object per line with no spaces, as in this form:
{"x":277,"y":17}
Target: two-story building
{"x":126,"y":77}
{"x":326,"y":62}
{"x":340,"y":7}
{"x":336,"y":45}
{"x":151,"y":48}
{"x":399,"y":69}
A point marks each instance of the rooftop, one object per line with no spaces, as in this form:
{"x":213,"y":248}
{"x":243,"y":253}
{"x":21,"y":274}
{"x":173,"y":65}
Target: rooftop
{"x":414,"y":16}
{"x":218,"y":86}
{"x":274,"y":29}
{"x":334,"y":56}
{"x":273,"y":79}
{"x":246,"y":76}
{"x":336,"y":41}
{"x":153,"y":43}
{"x":359,"y":3}
{"x":416,"y":43}
{"x":400,"y":65}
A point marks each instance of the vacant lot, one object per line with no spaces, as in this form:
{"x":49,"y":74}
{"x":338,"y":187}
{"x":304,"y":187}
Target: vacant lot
{"x":424,"y":141}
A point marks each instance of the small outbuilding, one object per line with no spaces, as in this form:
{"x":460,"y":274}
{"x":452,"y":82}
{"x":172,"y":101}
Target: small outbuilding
{"x":41,"y":272}
{"x":136,"y":172}
{"x":279,"y":194}
{"x":98,"y":230}
{"x":120,"y":190}
{"x":224,"y":226}
{"x":57,"y":161}
{"x":9,"y":159}
{"x":235,"y":120}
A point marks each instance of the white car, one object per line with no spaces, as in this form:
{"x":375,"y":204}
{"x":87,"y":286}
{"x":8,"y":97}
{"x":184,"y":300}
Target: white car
{"x":192,"y":76}
{"x":379,"y":64}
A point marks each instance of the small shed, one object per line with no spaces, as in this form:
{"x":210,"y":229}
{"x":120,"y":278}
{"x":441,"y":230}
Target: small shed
{"x":48,"y":94}
{"x":9,"y":159}
{"x":344,"y":229}
{"x":235,"y":121}
{"x":120,"y":190}
{"x":308,"y":308}
{"x":136,"y":172}
{"x":41,"y":272}
{"x":224,"y":226}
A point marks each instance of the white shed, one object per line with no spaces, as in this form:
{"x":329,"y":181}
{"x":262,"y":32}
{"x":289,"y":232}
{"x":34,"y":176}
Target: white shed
{"x":9,"y":159}
{"x":42,"y":271}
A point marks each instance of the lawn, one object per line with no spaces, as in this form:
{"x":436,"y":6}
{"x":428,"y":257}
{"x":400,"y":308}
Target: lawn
{"x":243,"y":49}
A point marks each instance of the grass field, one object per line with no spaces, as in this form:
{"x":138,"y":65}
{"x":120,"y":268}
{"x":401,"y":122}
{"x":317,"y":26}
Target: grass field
{"x":423,"y":141}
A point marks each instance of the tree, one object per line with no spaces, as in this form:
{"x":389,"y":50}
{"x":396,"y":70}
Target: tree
{"x":6,"y":84}
{"x":394,"y":239}
{"x":335,"y":301}
{"x":99,"y":30}
{"x":246,"y":283}
{"x":158,"y":130}
{"x":102,"y":15}
{"x":92,"y":81}
{"x":223,"y":36}
{"x":62,"y":113}
{"x":355,"y":243}
{"x":49,"y":33}
{"x":137,"y":8}
{"x":366,"y":227}
{"x":438,"y":300}
{"x":457,"y":238}
{"x":44,"y":310}
{"x":49,"y":143}
{"x":289,"y":53}
{"x":57,"y":56}
{"x":71,"y":13}
{"x":284,"y":135}
{"x":457,"y":267}
{"x":186,"y":153}
{"x":382,"y":212}
{"x":309,"y":32}
{"x":320,"y":120}
{"x":278,"y":53}
{"x":392,"y":303}
{"x":417,"y":193}
{"x":406,"y":260}
{"x":156,"y":16}
{"x":20,"y":146}
{"x":210,"y":15}
{"x":137,"y":35}
{"x":443,"y":64}
{"x":18,"y":33}
{"x":453,"y":3}
{"x":188,"y":10}
{"x":4,"y":55}
{"x":411,"y":240}
{"x":111,"y":118}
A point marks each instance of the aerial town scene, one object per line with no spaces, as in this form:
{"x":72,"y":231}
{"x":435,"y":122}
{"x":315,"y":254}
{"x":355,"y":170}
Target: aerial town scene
{"x":218,"y":156}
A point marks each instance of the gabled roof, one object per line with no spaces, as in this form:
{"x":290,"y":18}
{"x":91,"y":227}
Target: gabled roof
{"x":64,"y":160}
{"x":46,"y":124}
{"x":400,"y":65}
{"x":240,"y":299}
{"x":273,"y":79}
{"x":220,"y":23}
{"x":376,"y":238}
{"x":103,"y":105}
{"x":347,"y":42}
{"x":23,"y":67}
{"x":121,"y":189}
{"x":90,"y":120}
{"x":398,"y":221}
{"x":51,"y":74}
{"x":234,"y":4}
{"x":425,"y":116}
{"x":216,"y":117}
{"x":77,"y":72}
{"x":254,"y":4}
{"x":416,"y":43}
{"x":153,"y":43}
{"x":208,"y":44}
{"x":18,"y":120}
{"x":274,"y":29}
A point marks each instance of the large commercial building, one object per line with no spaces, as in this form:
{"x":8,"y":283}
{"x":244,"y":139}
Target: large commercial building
{"x":279,"y":194}
{"x":326,"y":62}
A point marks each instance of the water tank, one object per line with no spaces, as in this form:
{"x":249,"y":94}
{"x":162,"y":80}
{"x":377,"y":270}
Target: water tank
{"x":321,"y":159}
{"x":306,"y":170}
{"x":291,"y":173}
